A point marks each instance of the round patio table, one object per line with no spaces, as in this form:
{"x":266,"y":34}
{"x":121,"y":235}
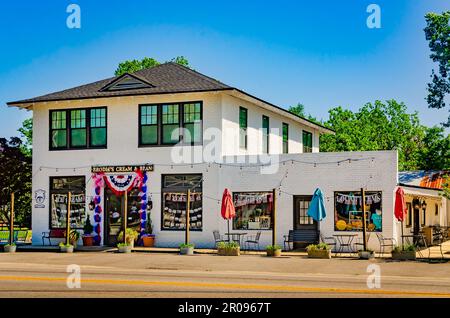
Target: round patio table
{"x":236,"y":237}
{"x":345,"y":241}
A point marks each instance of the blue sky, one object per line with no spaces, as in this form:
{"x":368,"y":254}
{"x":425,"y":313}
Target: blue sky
{"x":319,"y":53}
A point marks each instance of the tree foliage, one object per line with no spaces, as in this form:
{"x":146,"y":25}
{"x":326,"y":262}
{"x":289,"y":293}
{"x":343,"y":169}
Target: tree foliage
{"x":385,"y":126}
{"x":132,"y":66}
{"x":26,"y":132}
{"x":15,"y":176}
{"x":437,"y":33}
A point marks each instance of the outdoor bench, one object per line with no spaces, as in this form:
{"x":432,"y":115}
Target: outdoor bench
{"x":300,"y":236}
{"x":57,"y":234}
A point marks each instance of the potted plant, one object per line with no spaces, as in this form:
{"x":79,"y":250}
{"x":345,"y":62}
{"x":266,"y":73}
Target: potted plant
{"x":187,"y":249}
{"x":321,"y":250}
{"x":405,"y":252}
{"x":367,"y":254}
{"x":65,"y":248}
{"x":148,"y":239}
{"x":130,"y":238}
{"x":124,"y":248}
{"x":273,"y":250}
{"x":10,"y":248}
{"x":74,"y":236}
{"x":228,"y":249}
{"x":88,"y":239}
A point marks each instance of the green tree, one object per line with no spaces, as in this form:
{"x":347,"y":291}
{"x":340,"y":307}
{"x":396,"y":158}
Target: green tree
{"x":132,"y":66}
{"x":26,"y":132}
{"x":299,"y":110}
{"x":437,"y":33}
{"x":435,"y":151}
{"x":376,"y":126}
{"x":15,"y":176}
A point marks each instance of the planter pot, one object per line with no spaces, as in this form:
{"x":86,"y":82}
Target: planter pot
{"x":404,"y":255}
{"x":187,"y":251}
{"x":88,"y":240}
{"x":229,"y":251}
{"x":366,"y":255}
{"x":125,"y":249}
{"x":148,"y":241}
{"x":274,"y":253}
{"x":10,"y":248}
{"x":66,"y":249}
{"x":319,"y":254}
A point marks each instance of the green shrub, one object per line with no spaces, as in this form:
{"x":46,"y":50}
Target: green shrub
{"x":131,"y":236}
{"x":273,"y":247}
{"x":227,"y":245}
{"x":318,"y":247}
{"x":65,"y":245}
{"x":187,"y":245}
{"x":122,"y":244}
{"x":406,"y":248}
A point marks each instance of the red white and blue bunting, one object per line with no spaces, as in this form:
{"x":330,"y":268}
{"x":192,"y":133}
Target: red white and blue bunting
{"x":98,"y":185}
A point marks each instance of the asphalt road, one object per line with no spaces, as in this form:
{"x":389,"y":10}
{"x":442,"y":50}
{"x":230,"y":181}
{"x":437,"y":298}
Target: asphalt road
{"x":169,"y":275}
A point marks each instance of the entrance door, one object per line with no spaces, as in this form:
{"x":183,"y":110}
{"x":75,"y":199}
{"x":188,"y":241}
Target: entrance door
{"x":114,"y":214}
{"x":302,"y":222}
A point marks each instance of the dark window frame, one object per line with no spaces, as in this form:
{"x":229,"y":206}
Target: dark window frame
{"x":266,"y":134}
{"x":285,"y":143}
{"x":52,"y":191}
{"x":184,"y":190}
{"x":307,"y":149}
{"x":409,"y":214}
{"x":68,"y":129}
{"x":242,"y":129}
{"x":181,"y":124}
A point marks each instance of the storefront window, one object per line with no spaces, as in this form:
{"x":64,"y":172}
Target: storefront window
{"x":348,"y":211}
{"x":59,"y":189}
{"x":174,"y":202}
{"x":253,"y":210}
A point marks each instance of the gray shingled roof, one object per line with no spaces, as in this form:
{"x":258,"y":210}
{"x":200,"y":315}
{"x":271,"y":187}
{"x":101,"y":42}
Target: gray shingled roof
{"x":165,"y":78}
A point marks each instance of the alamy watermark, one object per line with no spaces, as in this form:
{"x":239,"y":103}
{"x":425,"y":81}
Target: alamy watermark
{"x":73,"y":20}
{"x":74,"y":278}
{"x":374,"y":19}
{"x":374,"y":278}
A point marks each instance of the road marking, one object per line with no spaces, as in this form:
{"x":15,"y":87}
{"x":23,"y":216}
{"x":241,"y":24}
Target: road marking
{"x":232,"y":286}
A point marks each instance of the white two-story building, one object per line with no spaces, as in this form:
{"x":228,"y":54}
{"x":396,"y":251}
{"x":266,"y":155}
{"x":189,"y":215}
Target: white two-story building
{"x":158,"y":132}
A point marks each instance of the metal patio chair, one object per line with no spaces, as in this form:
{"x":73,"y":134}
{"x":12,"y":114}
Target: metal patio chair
{"x":359,"y":244}
{"x":331,"y":241}
{"x":217,"y":238}
{"x":253,"y":241}
{"x":385,"y":242}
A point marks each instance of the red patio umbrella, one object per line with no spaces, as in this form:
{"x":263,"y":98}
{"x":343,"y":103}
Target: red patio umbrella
{"x":400,"y":207}
{"x":228,"y":212}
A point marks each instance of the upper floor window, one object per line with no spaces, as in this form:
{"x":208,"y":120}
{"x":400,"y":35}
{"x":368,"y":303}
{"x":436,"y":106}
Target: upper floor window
{"x":78,"y":128}
{"x":307,"y":141}
{"x":161,"y":124}
{"x":265,"y":134}
{"x":243,"y":122}
{"x":285,"y":138}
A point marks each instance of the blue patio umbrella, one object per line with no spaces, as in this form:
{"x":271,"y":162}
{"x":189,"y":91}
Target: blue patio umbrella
{"x":316,"y":208}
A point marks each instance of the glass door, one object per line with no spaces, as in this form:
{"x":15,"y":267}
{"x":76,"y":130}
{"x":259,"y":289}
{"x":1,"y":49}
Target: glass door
{"x":114,"y":214}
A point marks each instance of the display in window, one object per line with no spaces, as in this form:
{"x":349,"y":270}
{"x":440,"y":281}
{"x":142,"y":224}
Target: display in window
{"x":59,"y":211}
{"x":253,"y":211}
{"x":174,"y":211}
{"x":348,"y":211}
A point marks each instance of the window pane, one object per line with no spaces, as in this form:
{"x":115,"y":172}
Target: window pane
{"x":98,"y":137}
{"x":149,"y":115}
{"x":170,"y":134}
{"x":192,"y":113}
{"x":78,"y":137}
{"x":78,"y":118}
{"x":193,"y":133}
{"x":170,"y":114}
{"x":98,"y":117}
{"x":149,"y":135}
{"x":59,"y":202}
{"x":253,"y":211}
{"x":59,"y":120}
{"x":285,"y":138}
{"x":59,"y":139}
{"x":265,"y":134}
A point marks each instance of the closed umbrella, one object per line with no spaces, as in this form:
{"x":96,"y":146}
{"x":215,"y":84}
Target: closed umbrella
{"x":316,"y":208}
{"x":400,"y":207}
{"x":228,"y":212}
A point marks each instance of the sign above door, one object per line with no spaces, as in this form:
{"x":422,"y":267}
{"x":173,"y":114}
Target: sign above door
{"x":122,"y":169}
